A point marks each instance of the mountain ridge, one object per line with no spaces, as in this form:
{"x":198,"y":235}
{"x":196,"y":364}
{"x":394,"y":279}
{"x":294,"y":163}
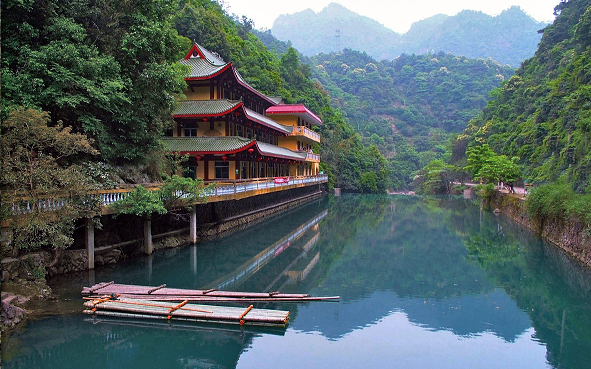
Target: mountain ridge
{"x":509,"y":37}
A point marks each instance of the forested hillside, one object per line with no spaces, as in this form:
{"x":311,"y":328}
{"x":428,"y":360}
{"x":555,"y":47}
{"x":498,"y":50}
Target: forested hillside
{"x":108,"y":70}
{"x":542,"y":115}
{"x":509,"y":38}
{"x":408,"y":107}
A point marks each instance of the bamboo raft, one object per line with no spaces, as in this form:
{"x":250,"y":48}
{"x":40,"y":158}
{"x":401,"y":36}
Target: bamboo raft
{"x":162,"y":293}
{"x":184,"y":311}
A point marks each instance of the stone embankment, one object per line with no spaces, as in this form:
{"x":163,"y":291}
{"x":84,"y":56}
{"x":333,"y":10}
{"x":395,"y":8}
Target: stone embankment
{"x":571,"y":235}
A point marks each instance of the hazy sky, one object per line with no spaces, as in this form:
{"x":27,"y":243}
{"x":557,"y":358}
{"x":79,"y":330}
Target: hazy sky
{"x":397,"y":15}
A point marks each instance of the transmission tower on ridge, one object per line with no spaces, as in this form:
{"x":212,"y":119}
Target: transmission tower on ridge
{"x":338,"y":39}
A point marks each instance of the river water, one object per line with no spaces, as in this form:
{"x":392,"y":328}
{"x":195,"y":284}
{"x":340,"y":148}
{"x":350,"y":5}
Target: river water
{"x":423,"y":283}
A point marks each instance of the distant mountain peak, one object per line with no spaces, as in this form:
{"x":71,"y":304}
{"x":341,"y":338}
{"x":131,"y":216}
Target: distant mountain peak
{"x":509,"y":37}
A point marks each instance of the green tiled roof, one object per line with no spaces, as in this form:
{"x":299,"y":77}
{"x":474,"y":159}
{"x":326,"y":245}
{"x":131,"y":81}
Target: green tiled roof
{"x":207,"y":144}
{"x":205,"y":107}
{"x":272,"y":150}
{"x":212,"y":57}
{"x":228,"y":144}
{"x":253,"y":115}
{"x":201,"y":68}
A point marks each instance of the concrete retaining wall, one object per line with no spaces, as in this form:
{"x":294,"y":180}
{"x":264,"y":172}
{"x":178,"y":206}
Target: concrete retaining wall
{"x":572,"y":236}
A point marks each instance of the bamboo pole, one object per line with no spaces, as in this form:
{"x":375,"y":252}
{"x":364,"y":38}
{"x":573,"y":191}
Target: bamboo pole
{"x":227,"y":299}
{"x":156,"y":288}
{"x":248,"y":309}
{"x":146,"y":304}
{"x":185,"y":319}
{"x":99,"y":286}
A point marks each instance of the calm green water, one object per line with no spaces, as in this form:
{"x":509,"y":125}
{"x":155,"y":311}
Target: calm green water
{"x":424,"y":283}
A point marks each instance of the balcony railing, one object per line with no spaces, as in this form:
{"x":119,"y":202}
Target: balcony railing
{"x":222,"y":187}
{"x":303,"y":131}
{"x":313,"y":157}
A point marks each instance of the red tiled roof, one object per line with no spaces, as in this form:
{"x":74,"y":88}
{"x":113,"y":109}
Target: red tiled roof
{"x":294,"y":109}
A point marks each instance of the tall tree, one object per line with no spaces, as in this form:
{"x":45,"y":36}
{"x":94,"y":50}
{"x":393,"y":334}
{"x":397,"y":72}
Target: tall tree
{"x":38,"y":174}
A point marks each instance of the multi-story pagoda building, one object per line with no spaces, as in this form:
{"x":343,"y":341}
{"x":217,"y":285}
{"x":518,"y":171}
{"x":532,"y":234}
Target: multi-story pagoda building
{"x":232,"y":131}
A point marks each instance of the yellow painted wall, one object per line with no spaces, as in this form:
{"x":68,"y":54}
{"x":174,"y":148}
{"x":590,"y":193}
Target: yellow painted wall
{"x":288,"y":120}
{"x":203,"y":126}
{"x":288,"y":142}
{"x":200,"y":169}
{"x":232,"y":169}
{"x":199,"y":93}
{"x":219,"y":126}
{"x":211,"y":167}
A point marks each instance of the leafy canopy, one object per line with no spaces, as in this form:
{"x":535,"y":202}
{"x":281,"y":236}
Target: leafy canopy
{"x":175,"y":193}
{"x":483,"y":163}
{"x":39,"y":169}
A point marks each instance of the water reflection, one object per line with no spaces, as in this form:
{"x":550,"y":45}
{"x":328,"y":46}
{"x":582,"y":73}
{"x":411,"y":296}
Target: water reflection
{"x":432,"y":283}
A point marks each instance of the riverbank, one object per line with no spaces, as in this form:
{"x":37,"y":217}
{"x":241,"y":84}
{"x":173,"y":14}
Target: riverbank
{"x":570,"y":235}
{"x":216,"y":220}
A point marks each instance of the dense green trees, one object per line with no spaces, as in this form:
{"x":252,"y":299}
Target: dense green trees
{"x":174,"y":193}
{"x":542,"y":114}
{"x":483,"y":163}
{"x":408,"y":107}
{"x":105,"y":69}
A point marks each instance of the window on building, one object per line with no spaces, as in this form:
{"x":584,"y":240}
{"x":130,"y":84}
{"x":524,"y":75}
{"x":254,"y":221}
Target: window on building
{"x":239,"y":130}
{"x":248,"y":133}
{"x":243,"y":169}
{"x":253,"y":170}
{"x":191,"y":129}
{"x":190,"y":168}
{"x":222,"y":170}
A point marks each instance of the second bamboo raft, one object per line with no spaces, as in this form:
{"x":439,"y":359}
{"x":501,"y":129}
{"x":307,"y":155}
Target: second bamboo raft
{"x":162,"y":293}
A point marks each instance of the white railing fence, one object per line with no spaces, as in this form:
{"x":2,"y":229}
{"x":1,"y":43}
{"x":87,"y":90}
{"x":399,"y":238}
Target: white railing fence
{"x":108,"y":197}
